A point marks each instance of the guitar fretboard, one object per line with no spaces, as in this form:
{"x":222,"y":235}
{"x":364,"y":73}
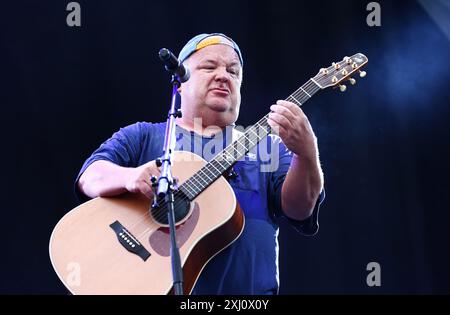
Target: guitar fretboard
{"x":238,"y":148}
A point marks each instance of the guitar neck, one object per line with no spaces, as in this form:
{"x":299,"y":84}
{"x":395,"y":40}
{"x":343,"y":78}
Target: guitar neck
{"x":238,"y":148}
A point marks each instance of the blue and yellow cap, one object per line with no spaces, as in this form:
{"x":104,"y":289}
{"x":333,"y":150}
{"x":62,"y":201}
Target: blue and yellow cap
{"x":202,"y":40}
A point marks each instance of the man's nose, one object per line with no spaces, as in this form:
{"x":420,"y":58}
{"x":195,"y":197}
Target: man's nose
{"x":222,"y":74}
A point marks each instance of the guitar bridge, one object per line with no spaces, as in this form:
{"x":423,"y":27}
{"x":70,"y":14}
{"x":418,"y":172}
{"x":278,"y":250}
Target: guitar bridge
{"x":127,"y":240}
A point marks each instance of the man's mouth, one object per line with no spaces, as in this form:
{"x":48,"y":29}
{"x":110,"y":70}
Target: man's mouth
{"x":220,"y":91}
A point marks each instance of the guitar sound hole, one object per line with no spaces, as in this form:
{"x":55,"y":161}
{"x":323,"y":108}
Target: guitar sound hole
{"x":182,"y":207}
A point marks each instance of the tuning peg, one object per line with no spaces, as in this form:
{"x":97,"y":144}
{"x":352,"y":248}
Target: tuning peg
{"x":362,"y":74}
{"x":342,"y":87}
{"x":336,"y":65}
{"x":348,"y":60}
{"x":352,"y":81}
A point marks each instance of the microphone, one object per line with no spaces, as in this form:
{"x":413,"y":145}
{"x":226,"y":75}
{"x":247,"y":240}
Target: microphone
{"x":173,"y":65}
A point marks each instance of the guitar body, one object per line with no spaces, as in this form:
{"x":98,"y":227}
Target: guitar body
{"x":114,"y":246}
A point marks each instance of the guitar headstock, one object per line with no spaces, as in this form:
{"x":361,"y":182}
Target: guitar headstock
{"x":341,"y":71}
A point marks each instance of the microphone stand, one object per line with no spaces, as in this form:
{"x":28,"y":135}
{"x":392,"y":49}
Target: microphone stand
{"x":166,"y":187}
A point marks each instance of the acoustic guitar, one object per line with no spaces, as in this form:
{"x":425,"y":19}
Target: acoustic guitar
{"x":116,"y":245}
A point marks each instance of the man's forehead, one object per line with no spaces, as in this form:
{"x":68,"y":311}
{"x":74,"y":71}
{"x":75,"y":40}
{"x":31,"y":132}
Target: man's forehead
{"x":217,"y":53}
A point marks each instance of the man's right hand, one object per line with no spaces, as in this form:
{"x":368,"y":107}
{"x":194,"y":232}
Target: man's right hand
{"x":106,"y":179}
{"x":137,"y":180}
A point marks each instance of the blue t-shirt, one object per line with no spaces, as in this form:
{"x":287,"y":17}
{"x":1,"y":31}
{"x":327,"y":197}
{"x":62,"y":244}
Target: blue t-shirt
{"x":250,"y":264}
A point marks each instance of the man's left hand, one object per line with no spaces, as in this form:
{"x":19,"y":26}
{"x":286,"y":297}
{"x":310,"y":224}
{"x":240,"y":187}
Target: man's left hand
{"x":293,"y":127}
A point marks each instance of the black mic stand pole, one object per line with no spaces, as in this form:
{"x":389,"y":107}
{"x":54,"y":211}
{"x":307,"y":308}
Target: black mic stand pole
{"x":166,"y":187}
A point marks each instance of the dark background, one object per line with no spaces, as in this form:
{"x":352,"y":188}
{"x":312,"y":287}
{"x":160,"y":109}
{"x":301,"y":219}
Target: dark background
{"x":383,"y":143}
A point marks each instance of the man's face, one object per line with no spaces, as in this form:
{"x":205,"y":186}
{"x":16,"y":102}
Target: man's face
{"x":213,"y":90}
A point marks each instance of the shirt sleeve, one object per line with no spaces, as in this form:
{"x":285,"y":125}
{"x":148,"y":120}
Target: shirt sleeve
{"x":123,"y":149}
{"x":308,"y":226}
